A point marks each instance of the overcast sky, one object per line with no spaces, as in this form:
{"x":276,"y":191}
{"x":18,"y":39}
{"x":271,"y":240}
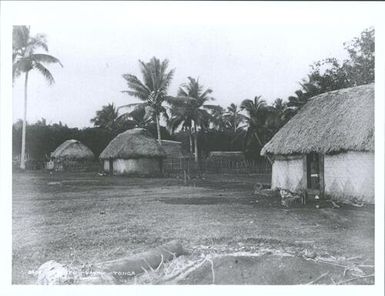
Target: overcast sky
{"x":237,"y":60}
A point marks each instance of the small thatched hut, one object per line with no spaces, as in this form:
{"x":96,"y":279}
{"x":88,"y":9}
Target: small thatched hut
{"x":133,"y":152}
{"x":72,"y":155}
{"x":328,"y":147}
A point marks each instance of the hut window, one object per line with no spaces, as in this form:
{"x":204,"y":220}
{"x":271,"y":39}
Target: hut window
{"x":313,"y":171}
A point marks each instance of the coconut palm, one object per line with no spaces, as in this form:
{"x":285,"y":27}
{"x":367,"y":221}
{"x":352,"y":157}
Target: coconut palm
{"x":257,"y":111}
{"x":106,"y":117}
{"x":218,"y":118}
{"x":25,"y":59}
{"x":233,"y":117}
{"x":152,"y":90}
{"x":189,"y":109}
{"x":180,"y":118}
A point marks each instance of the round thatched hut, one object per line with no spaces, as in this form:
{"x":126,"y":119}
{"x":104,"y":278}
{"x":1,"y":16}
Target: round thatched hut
{"x":327,"y":148}
{"x":72,"y":155}
{"x":133,"y":152}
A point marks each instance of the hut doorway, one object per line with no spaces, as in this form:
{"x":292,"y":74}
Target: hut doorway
{"x":314,"y":174}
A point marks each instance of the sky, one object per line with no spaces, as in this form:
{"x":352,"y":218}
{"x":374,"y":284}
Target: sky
{"x":238,"y":60}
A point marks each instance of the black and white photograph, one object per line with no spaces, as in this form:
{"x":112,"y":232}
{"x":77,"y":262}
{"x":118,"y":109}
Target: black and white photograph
{"x":193,"y":144}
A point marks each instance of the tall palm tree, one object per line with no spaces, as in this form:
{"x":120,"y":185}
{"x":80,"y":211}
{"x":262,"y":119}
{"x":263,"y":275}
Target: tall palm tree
{"x":152,"y":90}
{"x":257,"y":111}
{"x":26,"y":59}
{"x":189,"y":108}
{"x":233,"y":117}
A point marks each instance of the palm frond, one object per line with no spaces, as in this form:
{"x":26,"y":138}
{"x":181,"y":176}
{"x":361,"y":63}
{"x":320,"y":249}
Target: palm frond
{"x":136,"y":85}
{"x":20,"y":37}
{"x":45,"y":72}
{"x":45,"y":58}
{"x":38,"y":41}
{"x":130,"y":105}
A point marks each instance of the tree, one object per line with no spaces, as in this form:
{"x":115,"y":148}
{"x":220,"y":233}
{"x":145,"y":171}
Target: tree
{"x":218,"y":118}
{"x":281,"y":112}
{"x":137,"y":117}
{"x":26,"y":59}
{"x":257,"y":112}
{"x":330,"y":74}
{"x":233,"y":118}
{"x":106,"y":117}
{"x":190,"y":111}
{"x":152,"y":91}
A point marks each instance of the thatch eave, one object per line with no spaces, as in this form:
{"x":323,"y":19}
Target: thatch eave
{"x":332,"y":122}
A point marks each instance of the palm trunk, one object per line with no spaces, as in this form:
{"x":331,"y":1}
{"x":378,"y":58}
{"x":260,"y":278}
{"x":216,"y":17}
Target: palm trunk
{"x":260,"y":143}
{"x":196,"y":143}
{"x":190,"y":140}
{"x":22,"y":157}
{"x":158,"y":129}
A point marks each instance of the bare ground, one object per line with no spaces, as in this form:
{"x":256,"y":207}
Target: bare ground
{"x":83,"y":217}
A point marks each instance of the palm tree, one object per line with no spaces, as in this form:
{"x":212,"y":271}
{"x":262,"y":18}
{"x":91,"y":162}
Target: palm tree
{"x":309,"y":88}
{"x":26,"y":59}
{"x":218,"y":118}
{"x":233,"y":117}
{"x":189,"y":109}
{"x":152,"y":91}
{"x":281,"y":111}
{"x":180,"y":118}
{"x":257,"y":111}
{"x":137,"y":117}
{"x":106,"y":117}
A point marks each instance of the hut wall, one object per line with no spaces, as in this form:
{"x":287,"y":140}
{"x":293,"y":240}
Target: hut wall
{"x":140,"y":166}
{"x":288,"y":173}
{"x":349,"y":175}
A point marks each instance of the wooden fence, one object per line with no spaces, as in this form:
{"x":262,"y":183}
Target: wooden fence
{"x":260,"y":168}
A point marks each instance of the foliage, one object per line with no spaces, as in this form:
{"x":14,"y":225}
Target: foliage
{"x":42,"y":139}
{"x":330,"y":74}
{"x":25,"y":59}
{"x":233,"y":118}
{"x":190,"y":111}
{"x":24,"y":54}
{"x":153,"y":90}
{"x":108,"y":118}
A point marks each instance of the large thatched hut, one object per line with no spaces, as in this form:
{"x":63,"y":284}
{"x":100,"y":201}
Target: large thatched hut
{"x":327,"y":149}
{"x":133,"y":152}
{"x":72,"y":155}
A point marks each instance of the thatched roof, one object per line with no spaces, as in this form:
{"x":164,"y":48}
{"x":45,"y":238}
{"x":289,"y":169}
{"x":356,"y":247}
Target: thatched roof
{"x":134,"y":143}
{"x":72,"y":149}
{"x":336,"y":121}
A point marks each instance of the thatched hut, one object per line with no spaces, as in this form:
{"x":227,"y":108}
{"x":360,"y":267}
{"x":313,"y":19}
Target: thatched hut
{"x":133,"y":152}
{"x":72,"y":155}
{"x":327,"y":149}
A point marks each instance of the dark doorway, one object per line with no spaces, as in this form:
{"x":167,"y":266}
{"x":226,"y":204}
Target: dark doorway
{"x":313,"y":171}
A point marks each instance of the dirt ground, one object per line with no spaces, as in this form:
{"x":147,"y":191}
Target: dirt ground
{"x":84,"y":217}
